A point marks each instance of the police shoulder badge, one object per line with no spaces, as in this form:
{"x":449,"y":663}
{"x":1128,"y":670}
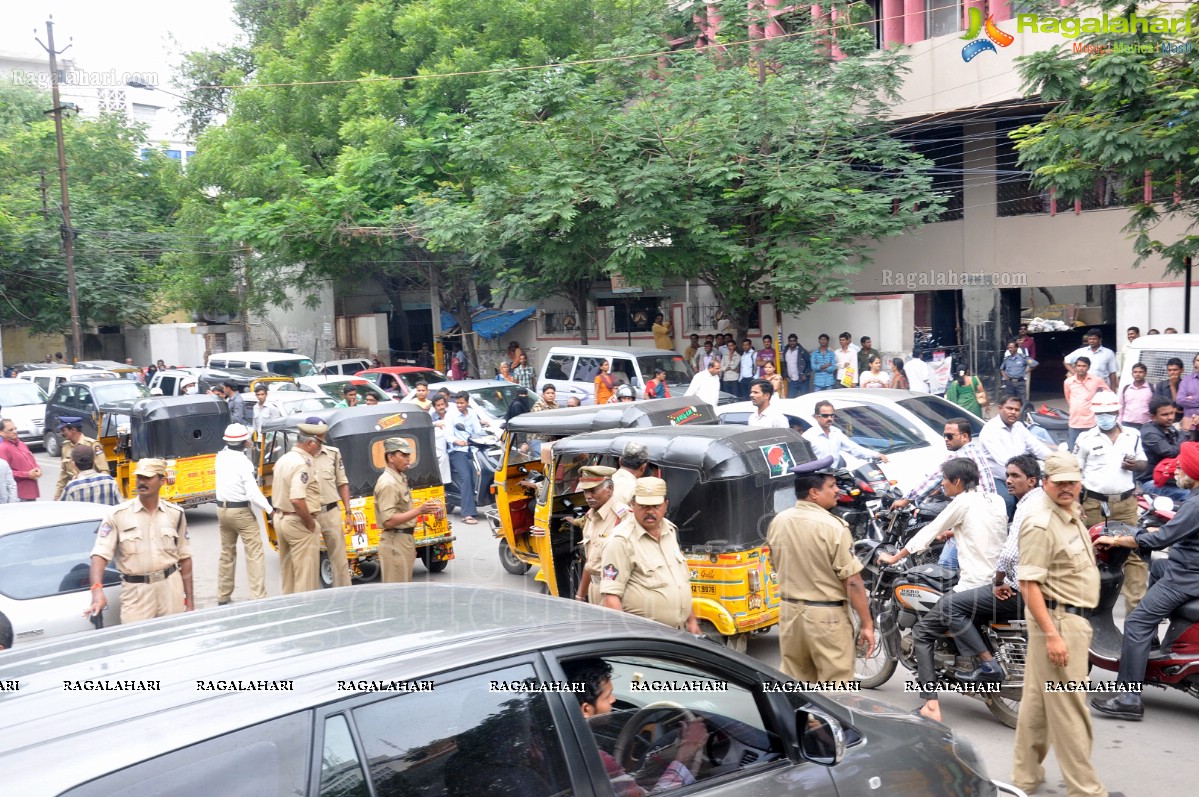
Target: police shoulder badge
{"x":610,"y":573}
{"x":105,"y":529}
{"x":303,"y":477}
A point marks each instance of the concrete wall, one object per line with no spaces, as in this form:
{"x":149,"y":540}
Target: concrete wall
{"x":888,"y":320}
{"x":19,"y":345}
{"x":1155,"y":305}
{"x":174,"y":344}
{"x":306,"y":330}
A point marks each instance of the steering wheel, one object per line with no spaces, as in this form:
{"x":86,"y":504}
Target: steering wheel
{"x":624,"y":742}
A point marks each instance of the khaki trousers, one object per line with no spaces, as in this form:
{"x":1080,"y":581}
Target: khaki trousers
{"x":147,"y":601}
{"x":816,"y":642}
{"x":1056,"y":719}
{"x":299,"y":555}
{"x":397,"y":556}
{"x":1136,"y":571}
{"x":334,"y":534}
{"x":594,"y":596}
{"x":240,"y":524}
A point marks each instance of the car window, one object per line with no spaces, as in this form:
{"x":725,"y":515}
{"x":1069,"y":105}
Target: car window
{"x":341,"y":771}
{"x":44,"y":382}
{"x":218,"y":363}
{"x":20,"y":394}
{"x":935,"y":412}
{"x":117,"y":391}
{"x":302,"y":367}
{"x":265,"y":760}
{"x":466,"y":738}
{"x":495,"y":400}
{"x":878,"y":429}
{"x":655,"y":699}
{"x":49,"y":561}
{"x":622,"y":371}
{"x":677,"y":369}
{"x":588,"y":369}
{"x":559,"y":367}
{"x":167,"y":385}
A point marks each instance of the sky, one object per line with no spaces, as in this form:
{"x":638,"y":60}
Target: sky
{"x":126,"y":35}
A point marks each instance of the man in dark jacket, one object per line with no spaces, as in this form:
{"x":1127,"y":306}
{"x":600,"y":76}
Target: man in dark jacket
{"x":1160,"y":440}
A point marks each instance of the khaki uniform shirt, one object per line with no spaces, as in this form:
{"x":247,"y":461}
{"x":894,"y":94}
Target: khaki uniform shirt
{"x":598,"y":525}
{"x":1056,"y":552}
{"x":293,"y":478}
{"x":139,"y":542}
{"x":810,"y":553}
{"x":392,"y":495}
{"x":69,"y":471}
{"x":623,"y":485}
{"x":650,"y":576}
{"x":330,"y":473}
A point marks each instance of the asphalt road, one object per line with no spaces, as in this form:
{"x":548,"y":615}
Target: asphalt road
{"x":1150,"y":757}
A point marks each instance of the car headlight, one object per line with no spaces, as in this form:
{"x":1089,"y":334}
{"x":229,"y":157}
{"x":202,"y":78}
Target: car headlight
{"x":964,"y":752}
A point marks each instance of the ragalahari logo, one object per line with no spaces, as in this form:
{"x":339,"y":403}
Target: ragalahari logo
{"x":994,"y":36}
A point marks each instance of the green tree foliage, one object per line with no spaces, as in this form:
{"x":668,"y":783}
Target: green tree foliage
{"x":1118,"y":116}
{"x":122,"y":211}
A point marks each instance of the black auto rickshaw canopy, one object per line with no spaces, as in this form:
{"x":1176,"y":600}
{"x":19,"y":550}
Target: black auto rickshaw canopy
{"x":724,"y":483}
{"x":359,"y":432}
{"x":173,"y":427}
{"x":679,"y":411}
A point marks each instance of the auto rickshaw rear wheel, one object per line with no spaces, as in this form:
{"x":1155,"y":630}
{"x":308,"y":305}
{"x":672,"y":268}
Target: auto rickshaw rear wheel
{"x":511,"y":562}
{"x":368,"y":570}
{"x":431,"y":564}
{"x":326,"y":571}
{"x":735,"y":642}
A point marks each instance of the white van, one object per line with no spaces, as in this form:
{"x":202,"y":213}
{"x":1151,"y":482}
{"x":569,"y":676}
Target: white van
{"x":1154,"y":351}
{"x":572,"y":369}
{"x":48,"y":379}
{"x":269,"y":362}
{"x":24,"y":404}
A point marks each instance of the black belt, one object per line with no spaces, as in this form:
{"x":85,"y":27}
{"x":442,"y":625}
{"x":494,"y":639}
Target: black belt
{"x":234,"y":504}
{"x":1015,"y":379}
{"x":150,"y":578}
{"x":1068,"y":609}
{"x":327,"y":507}
{"x":401,"y":531}
{"x":1109,"y":498}
{"x":815,"y":603}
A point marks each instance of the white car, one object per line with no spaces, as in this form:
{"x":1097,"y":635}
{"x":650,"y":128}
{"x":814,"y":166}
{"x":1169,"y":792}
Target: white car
{"x":913,"y":450}
{"x":333,"y":386}
{"x":294,"y":402}
{"x":45,"y":560}
{"x":489,"y":397}
{"x":24,"y":404}
{"x":343,"y":367}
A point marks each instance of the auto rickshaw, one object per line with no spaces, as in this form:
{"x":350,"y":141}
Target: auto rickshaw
{"x":186,"y":431}
{"x":359,"y":433}
{"x":517,"y":521}
{"x":724,"y":484}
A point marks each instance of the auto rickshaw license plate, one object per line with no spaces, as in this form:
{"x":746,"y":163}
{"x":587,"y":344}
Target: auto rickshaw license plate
{"x":360,"y":540}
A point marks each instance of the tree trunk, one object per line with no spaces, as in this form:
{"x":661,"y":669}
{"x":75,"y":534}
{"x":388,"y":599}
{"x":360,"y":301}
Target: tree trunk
{"x":578,"y":300}
{"x":462,"y":314}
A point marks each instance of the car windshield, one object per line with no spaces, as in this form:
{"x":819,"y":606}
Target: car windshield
{"x":302,"y":367}
{"x":336,"y":390}
{"x":934,"y":412}
{"x":118,"y":390}
{"x":678,"y":372}
{"x":495,"y":400}
{"x":307,"y":404}
{"x":410,"y":379}
{"x":20,"y":395}
{"x":879,"y":429}
{"x":47,"y":561}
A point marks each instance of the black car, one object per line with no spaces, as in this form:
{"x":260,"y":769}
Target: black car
{"x":81,"y":399}
{"x":440,"y":690}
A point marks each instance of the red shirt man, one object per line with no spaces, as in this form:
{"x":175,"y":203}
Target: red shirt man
{"x":20,"y":459}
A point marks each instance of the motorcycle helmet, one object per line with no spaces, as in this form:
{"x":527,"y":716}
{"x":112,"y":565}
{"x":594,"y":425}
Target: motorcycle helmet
{"x":625,"y":392}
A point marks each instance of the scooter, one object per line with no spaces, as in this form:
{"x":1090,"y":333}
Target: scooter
{"x":485,"y":460}
{"x":900,"y":595}
{"x":1175,"y":665}
{"x":1051,"y":426}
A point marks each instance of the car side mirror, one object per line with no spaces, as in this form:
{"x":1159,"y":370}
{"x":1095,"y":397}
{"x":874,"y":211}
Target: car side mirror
{"x":821,"y":737}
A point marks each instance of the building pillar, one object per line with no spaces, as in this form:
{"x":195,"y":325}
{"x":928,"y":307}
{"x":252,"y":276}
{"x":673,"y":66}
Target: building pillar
{"x":892,"y":22}
{"x":913,"y":21}
{"x":1001,"y":10}
{"x":989,"y":318}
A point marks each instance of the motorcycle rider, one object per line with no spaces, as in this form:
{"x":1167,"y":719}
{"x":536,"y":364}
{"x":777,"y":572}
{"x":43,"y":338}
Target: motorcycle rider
{"x":980,"y":522}
{"x":1172,"y":582}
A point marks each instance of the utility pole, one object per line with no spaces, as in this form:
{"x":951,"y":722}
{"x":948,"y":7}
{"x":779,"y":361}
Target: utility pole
{"x":68,"y":233}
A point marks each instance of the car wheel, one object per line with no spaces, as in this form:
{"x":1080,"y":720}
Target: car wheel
{"x":511,"y":562}
{"x":326,"y":571}
{"x":52,"y":446}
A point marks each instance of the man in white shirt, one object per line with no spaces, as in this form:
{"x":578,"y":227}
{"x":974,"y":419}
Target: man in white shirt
{"x":916,"y":371}
{"x":1103,"y":359}
{"x":829,"y":441}
{"x":1004,"y":437}
{"x":847,"y":358}
{"x":705,"y":385}
{"x":979,"y":524}
{"x":749,"y":370}
{"x":766,"y":415}
{"x":237,"y":495}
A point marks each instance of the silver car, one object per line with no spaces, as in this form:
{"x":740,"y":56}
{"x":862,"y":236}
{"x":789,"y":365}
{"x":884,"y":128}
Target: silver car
{"x":443,"y":691}
{"x":45,"y":558}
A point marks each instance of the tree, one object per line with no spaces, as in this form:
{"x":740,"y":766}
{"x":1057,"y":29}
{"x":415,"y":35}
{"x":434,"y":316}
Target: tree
{"x":1122,"y":113}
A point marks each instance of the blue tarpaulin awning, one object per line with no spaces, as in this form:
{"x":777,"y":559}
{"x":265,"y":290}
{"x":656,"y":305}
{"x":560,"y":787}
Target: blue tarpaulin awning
{"x":488,"y":322}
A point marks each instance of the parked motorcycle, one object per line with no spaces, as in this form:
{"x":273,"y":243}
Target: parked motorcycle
{"x":485,"y":459}
{"x":860,"y":497}
{"x":1175,"y":665}
{"x":900,"y":595}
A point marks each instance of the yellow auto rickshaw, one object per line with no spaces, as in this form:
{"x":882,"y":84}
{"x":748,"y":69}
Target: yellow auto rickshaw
{"x":186,"y":431}
{"x":521,"y":524}
{"x":724,"y":484}
{"x":359,"y":433}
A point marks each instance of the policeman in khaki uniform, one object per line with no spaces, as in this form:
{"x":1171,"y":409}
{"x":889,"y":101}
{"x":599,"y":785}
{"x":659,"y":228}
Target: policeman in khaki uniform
{"x":605,"y":515}
{"x":395,"y":514}
{"x":295,"y":496}
{"x":72,"y":431}
{"x":1060,"y":584}
{"x":643,"y":571}
{"x":330,"y":473}
{"x":147,"y":540}
{"x":818,"y":575}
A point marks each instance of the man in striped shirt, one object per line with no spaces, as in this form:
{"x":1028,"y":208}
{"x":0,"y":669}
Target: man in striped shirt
{"x":90,"y":485}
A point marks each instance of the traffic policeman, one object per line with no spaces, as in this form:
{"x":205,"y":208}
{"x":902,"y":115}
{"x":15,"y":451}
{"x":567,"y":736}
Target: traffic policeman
{"x":146,"y":538}
{"x":71,"y":429}
{"x":818,"y":575}
{"x":643,"y":572}
{"x":330,"y":473}
{"x":395,"y":514}
{"x":296,"y":499}
{"x":237,"y":495}
{"x":1060,"y":585}
{"x":604,"y":515}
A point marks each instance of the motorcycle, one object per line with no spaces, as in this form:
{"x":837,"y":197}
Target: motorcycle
{"x":485,"y":460}
{"x":897,"y":525}
{"x":900,"y":595}
{"x":1175,"y":665}
{"x":859,"y":498}
{"x":1051,"y":426}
